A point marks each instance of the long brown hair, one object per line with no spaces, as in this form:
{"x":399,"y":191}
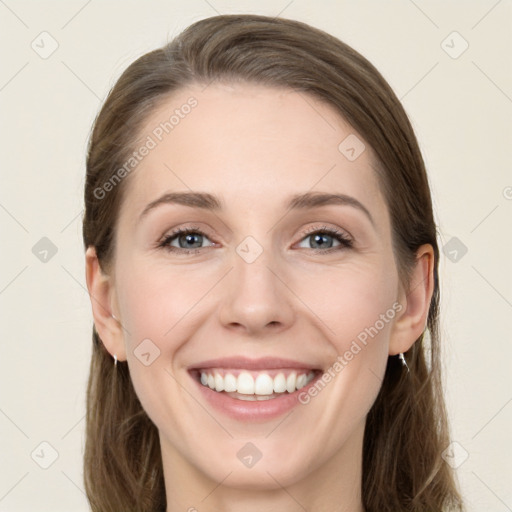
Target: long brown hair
{"x":406,"y":429}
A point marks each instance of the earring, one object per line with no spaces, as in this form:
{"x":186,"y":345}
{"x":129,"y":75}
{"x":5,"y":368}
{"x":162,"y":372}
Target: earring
{"x":404,"y":362}
{"x":115,"y":360}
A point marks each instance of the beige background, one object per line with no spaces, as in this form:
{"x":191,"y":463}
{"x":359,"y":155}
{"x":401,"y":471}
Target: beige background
{"x":460,"y":107}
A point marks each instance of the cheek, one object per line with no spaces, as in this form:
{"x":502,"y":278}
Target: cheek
{"x":358,"y":310}
{"x":161,"y":307}
{"x":155,"y":300}
{"x":158,"y":307}
{"x":353,"y":300}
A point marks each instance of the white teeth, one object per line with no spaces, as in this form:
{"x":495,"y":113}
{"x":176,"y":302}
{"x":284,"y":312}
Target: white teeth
{"x":245,"y":384}
{"x":261,"y":388}
{"x":290,"y":382}
{"x":280,"y":383}
{"x":219,"y":382}
{"x":264,"y":384}
{"x":301,"y":381}
{"x":251,"y":398}
{"x":230,"y":382}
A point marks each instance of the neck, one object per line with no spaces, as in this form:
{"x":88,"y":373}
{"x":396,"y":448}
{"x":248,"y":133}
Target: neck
{"x":333,"y":486}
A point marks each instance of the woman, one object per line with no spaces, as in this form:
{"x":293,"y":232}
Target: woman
{"x":262,"y":260}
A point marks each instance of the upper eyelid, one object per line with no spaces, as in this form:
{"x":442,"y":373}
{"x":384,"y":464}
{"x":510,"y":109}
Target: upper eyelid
{"x":336,"y":230}
{"x":197,"y":229}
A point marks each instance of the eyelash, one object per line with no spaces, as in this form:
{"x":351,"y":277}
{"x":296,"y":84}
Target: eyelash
{"x":345,"y":242}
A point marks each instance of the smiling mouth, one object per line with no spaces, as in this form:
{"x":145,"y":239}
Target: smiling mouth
{"x":250,"y":385}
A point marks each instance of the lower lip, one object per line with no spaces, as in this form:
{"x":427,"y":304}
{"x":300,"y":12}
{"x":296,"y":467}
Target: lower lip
{"x":253,"y":411}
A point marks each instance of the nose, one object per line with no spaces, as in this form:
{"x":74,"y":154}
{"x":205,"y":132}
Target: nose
{"x":256,"y":296}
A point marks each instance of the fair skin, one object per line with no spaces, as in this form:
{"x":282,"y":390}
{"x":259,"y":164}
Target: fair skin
{"x":254,"y":147}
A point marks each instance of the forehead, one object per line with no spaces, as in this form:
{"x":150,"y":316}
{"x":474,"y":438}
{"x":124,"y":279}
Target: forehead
{"x":252,"y":145}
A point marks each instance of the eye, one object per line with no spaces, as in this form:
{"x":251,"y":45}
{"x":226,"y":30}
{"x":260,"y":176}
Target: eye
{"x":188,"y":240}
{"x":323,"y":238}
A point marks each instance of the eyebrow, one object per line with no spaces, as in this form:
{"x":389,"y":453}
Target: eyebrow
{"x":303,"y":201}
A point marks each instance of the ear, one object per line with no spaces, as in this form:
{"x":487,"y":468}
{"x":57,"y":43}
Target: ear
{"x":102,"y":295}
{"x":416,"y":303}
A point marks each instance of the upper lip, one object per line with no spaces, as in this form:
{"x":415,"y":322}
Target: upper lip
{"x":263,"y":363}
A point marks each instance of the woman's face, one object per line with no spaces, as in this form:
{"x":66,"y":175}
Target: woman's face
{"x":266,"y":276}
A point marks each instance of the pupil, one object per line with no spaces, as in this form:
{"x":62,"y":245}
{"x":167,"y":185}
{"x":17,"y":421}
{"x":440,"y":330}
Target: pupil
{"x":190,"y":238}
{"x":318,"y":238}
